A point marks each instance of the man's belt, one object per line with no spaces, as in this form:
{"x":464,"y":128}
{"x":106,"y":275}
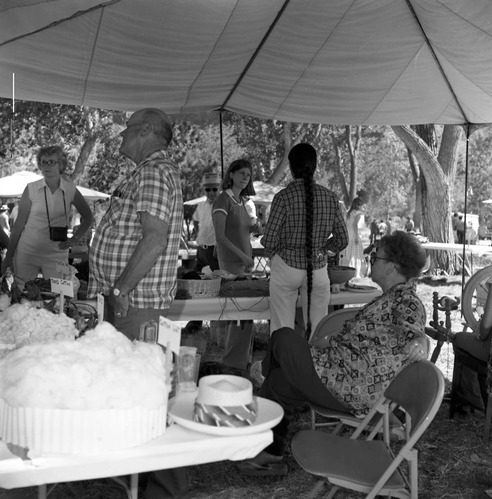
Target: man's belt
{"x":206,"y":246}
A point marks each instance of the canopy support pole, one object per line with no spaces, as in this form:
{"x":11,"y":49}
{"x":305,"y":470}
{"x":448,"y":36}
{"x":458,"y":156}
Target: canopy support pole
{"x":221,"y":145}
{"x":466,"y":210}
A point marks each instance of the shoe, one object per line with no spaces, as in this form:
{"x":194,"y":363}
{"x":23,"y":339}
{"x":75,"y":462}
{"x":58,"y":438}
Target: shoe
{"x":250,"y":468}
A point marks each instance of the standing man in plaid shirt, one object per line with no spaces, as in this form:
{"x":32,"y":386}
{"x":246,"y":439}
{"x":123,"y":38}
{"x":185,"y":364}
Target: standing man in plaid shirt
{"x":134,"y":255}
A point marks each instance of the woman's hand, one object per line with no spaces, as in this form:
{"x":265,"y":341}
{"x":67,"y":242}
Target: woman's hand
{"x":66,"y":244}
{"x":415,"y":351}
{"x":249,"y":262}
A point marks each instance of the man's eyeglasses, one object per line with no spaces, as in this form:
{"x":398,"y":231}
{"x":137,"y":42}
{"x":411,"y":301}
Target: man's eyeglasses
{"x":374,"y":257}
{"x":213,"y":189}
{"x":49,"y":162}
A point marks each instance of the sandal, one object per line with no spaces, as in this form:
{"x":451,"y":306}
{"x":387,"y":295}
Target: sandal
{"x":249,"y":468}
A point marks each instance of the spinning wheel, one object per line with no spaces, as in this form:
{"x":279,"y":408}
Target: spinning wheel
{"x":475,"y":295}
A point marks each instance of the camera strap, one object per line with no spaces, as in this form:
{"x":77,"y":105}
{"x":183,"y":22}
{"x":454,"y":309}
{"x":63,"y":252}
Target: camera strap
{"x":48,"y":212}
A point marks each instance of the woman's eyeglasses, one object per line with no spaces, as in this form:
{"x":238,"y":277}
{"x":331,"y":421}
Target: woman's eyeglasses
{"x":374,"y":257}
{"x":213,"y":189}
{"x":49,"y":162}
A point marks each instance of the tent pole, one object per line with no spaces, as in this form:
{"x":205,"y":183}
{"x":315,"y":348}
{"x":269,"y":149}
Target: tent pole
{"x":466,"y":210}
{"x":221,"y":145}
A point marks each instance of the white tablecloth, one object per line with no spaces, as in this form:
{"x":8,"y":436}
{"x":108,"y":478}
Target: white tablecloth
{"x":177,"y":447}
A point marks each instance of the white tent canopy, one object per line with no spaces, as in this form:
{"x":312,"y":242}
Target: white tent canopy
{"x":13,"y":186}
{"x":322,"y":61}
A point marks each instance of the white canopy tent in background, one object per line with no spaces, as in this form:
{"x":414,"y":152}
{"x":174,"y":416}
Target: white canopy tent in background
{"x":338,"y":61}
{"x":13,"y":186}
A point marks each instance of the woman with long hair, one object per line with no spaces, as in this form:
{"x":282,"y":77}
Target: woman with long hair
{"x":305,"y":223}
{"x":232,"y":225}
{"x":353,"y":255}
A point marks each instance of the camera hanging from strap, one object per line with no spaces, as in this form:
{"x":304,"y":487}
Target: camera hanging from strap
{"x":57,"y":233}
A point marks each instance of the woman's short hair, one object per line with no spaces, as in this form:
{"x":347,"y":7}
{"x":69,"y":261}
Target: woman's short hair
{"x":52,"y":151}
{"x":236,"y":165}
{"x":302,"y":160}
{"x":405,"y":250}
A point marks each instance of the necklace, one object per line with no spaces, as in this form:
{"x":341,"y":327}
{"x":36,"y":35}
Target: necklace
{"x":233,"y":197}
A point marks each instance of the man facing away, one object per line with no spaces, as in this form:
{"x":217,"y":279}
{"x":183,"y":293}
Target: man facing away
{"x":134,"y":254}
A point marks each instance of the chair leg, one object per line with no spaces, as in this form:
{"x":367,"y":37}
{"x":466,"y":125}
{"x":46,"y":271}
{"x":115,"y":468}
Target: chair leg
{"x":488,"y":419}
{"x":316,"y":489}
{"x":313,"y":419}
{"x":455,"y":383}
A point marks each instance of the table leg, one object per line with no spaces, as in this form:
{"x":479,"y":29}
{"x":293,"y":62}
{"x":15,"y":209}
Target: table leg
{"x":42,"y":491}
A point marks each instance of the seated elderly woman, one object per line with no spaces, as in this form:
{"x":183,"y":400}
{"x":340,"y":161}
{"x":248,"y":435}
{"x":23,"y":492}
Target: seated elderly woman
{"x":359,"y":363}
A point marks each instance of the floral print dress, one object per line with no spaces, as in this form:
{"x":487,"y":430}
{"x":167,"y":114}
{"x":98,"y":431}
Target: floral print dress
{"x":361,"y":361}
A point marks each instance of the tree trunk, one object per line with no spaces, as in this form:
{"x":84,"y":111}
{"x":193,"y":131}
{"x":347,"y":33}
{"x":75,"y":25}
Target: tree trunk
{"x":283,"y":165}
{"x":439,"y":176}
{"x":91,"y":122}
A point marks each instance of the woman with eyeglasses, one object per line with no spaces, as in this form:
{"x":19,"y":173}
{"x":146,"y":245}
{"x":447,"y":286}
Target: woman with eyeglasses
{"x":351,"y":373}
{"x":39,"y":236}
{"x":233,"y":224}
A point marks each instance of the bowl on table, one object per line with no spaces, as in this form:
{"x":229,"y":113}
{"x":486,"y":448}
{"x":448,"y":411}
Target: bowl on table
{"x":340,"y":274}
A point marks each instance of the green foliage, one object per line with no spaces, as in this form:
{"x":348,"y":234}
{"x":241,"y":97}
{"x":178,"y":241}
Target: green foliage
{"x":383,"y":174}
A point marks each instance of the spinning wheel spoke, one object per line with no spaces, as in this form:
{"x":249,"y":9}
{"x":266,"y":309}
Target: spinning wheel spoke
{"x":475,"y":295}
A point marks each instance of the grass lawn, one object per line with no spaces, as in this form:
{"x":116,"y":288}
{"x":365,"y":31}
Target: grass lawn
{"x":449,"y":452}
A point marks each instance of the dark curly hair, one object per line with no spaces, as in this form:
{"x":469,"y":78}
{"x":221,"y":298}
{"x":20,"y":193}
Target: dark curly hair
{"x":405,"y":250}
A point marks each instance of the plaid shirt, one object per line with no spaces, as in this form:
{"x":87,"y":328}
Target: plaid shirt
{"x":285,"y":233}
{"x":153,"y":187}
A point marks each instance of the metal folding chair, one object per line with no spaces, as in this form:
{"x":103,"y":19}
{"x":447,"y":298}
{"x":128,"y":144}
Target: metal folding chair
{"x":372,"y":466}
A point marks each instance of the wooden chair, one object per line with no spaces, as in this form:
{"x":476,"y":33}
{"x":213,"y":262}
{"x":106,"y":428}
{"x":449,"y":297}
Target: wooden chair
{"x":372,"y":466}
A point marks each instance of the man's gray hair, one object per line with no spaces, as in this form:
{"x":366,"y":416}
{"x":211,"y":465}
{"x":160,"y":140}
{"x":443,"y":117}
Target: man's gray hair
{"x":160,"y":122}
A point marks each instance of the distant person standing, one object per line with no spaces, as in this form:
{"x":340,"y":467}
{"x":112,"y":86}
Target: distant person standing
{"x":389,"y":227}
{"x":373,"y":227}
{"x":454,"y":225}
{"x":4,"y":219}
{"x":202,"y":219}
{"x":409,"y":225}
{"x":204,"y":226}
{"x":352,"y":255}
{"x":460,"y":229}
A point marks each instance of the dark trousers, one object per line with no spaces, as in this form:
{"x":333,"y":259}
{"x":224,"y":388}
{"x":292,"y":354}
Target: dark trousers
{"x":291,"y":381}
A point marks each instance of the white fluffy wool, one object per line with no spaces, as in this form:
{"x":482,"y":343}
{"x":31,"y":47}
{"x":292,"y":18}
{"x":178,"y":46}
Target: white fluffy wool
{"x":101,"y":370}
{"x":21,"y":324}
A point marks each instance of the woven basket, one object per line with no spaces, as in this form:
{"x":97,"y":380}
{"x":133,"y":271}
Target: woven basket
{"x":199,"y":288}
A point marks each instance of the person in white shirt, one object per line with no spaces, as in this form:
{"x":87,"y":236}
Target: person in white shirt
{"x":202,"y":219}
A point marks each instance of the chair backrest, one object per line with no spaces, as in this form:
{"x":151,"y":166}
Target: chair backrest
{"x":331,"y":324}
{"x":418,"y":389}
